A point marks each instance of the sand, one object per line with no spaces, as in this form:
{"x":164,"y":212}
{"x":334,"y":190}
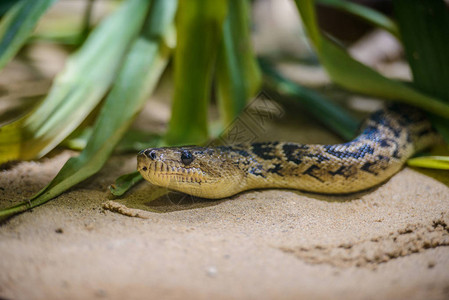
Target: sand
{"x":390,"y":242}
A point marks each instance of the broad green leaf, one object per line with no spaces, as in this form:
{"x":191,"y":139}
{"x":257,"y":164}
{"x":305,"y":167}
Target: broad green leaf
{"x":329,"y":113}
{"x":76,"y":91}
{"x":17,"y":25}
{"x":138,"y":76}
{"x":199,"y":27}
{"x":357,"y":77}
{"x":424,"y":27}
{"x":369,"y":15}
{"x":432,"y":162}
{"x":238,"y":74}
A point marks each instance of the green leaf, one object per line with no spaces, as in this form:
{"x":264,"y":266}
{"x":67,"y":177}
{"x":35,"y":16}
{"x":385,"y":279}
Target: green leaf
{"x":137,"y":78}
{"x":77,"y":90}
{"x":365,"y":13}
{"x":133,"y":140}
{"x":432,"y":162}
{"x":5,"y":5}
{"x":124,"y":183}
{"x":425,"y":29}
{"x":357,"y":77}
{"x":199,"y":27}
{"x":238,"y":74}
{"x":17,"y":25}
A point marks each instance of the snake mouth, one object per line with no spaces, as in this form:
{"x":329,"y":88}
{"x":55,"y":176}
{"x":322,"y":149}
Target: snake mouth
{"x":171,"y":173}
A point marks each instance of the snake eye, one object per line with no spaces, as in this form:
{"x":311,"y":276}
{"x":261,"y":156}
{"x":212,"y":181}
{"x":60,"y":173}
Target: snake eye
{"x":150,"y":153}
{"x":186,"y":157}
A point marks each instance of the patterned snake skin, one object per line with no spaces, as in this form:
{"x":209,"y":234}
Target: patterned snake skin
{"x":388,"y":138}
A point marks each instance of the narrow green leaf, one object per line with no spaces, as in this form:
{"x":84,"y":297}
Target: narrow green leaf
{"x":328,"y":112}
{"x":87,"y":19}
{"x":357,"y":77}
{"x":133,"y":140}
{"x":432,"y":162}
{"x":5,"y":5}
{"x":77,"y":89}
{"x":365,"y":13}
{"x":124,"y":183}
{"x":199,"y":27}
{"x":17,"y":25}
{"x":137,"y":78}
{"x":238,"y":74}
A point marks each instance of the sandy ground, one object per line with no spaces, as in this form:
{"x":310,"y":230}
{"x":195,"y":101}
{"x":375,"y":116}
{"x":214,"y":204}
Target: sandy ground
{"x":390,"y":242}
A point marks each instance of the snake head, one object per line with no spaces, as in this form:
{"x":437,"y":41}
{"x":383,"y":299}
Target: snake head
{"x":198,"y":171}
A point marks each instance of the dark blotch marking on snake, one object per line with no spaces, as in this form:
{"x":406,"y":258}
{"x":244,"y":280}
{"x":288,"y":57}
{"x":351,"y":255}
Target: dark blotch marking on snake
{"x":380,"y":159}
{"x":380,"y":118}
{"x":293,"y":152}
{"x":391,"y":143}
{"x":265,"y":151}
{"x":406,"y":115}
{"x":344,"y":171}
{"x":234,"y":149}
{"x":276,"y":169}
{"x":370,"y":132}
{"x":310,"y":171}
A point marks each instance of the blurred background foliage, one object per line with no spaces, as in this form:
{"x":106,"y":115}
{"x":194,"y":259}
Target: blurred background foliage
{"x":116,"y":62}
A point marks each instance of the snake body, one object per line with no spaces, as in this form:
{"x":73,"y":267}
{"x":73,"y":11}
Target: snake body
{"x":387,"y":139}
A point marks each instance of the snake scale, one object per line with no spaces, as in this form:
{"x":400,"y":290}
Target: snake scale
{"x":387,"y":139}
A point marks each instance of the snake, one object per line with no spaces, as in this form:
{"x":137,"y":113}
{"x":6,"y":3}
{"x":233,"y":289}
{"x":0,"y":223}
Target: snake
{"x":387,"y":138}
